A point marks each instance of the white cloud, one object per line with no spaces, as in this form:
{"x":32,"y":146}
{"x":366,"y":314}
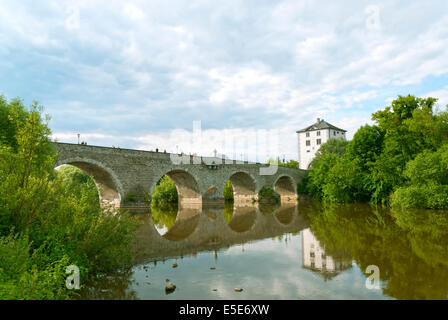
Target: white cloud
{"x":142,"y":69}
{"x":133,"y":12}
{"x":442,"y":96}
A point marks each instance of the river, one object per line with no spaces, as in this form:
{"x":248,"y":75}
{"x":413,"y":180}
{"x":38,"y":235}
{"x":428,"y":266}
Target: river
{"x":293,"y":251}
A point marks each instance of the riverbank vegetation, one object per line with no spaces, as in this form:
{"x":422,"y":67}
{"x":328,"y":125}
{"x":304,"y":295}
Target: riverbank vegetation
{"x":50,"y":219}
{"x":401,"y":160}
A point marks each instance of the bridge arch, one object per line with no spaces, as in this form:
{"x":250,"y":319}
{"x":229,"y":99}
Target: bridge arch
{"x":243,"y":218}
{"x":185,"y":224}
{"x":109,"y":187}
{"x":285,"y":214}
{"x":286,"y":188}
{"x":186,"y":185}
{"x":244,"y":186}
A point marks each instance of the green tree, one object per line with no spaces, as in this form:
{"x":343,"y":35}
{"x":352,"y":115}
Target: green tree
{"x":228,"y":191}
{"x":345,"y":182}
{"x":327,"y":156}
{"x":165,"y":192}
{"x":316,"y":178}
{"x":290,"y":164}
{"x":336,"y":146}
{"x":11,"y":113}
{"x":427,"y":181}
{"x":366,"y":145}
{"x":402,"y":141}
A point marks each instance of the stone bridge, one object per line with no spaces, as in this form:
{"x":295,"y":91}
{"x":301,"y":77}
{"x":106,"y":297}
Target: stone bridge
{"x":127,"y":178}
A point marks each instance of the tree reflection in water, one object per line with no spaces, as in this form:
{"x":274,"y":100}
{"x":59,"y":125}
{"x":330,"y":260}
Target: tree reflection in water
{"x":112,"y":286}
{"x":408,"y":246}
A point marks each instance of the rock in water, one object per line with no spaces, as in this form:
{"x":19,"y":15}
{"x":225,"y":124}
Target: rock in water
{"x":170,"y":287}
{"x":212,"y":268}
{"x":238,"y":289}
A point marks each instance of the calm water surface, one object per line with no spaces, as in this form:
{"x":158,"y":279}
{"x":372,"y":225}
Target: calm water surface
{"x":295,"y":251}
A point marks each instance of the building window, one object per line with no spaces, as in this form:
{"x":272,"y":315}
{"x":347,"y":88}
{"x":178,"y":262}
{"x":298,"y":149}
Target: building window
{"x":308,"y":142}
{"x":318,"y":141}
{"x":334,"y":133}
{"x":307,"y":150}
{"x":307,"y":134}
{"x":318,"y":133}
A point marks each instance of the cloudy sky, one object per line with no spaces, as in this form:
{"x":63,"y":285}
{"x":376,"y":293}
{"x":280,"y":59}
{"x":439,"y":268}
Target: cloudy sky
{"x":137,"y":74}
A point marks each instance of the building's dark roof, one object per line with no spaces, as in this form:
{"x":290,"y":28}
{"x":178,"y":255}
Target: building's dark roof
{"x":326,"y":274}
{"x":320,"y":125}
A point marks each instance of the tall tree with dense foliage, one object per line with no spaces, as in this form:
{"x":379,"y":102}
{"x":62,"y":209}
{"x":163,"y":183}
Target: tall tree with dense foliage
{"x":46,"y":224}
{"x":402,"y":140}
{"x":336,"y":146}
{"x":427,"y":181}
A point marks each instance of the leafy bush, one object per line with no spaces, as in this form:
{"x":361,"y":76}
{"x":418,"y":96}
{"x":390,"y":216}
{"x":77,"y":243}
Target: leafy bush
{"x":430,"y":196}
{"x":164,"y":192}
{"x":345,"y":182}
{"x":316,"y":178}
{"x":23,"y":276}
{"x":268,"y":194}
{"x":228,"y":191}
{"x":336,"y":146}
{"x":427,"y":184}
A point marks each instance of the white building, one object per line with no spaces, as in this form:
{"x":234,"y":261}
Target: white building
{"x":315,"y":259}
{"x":311,"y":138}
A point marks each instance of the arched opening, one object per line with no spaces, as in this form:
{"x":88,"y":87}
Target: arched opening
{"x":243,"y":186}
{"x":285,"y":213}
{"x":165,"y":193}
{"x":176,"y":186}
{"x":186,"y":185}
{"x":176,"y":223}
{"x":176,"y":205}
{"x":286,"y":188}
{"x":108,"y":189}
{"x":240,"y":218}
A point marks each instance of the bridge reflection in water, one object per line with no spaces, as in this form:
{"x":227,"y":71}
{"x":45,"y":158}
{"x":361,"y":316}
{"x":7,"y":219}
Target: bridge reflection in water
{"x":285,"y":252}
{"x":210,"y":228}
